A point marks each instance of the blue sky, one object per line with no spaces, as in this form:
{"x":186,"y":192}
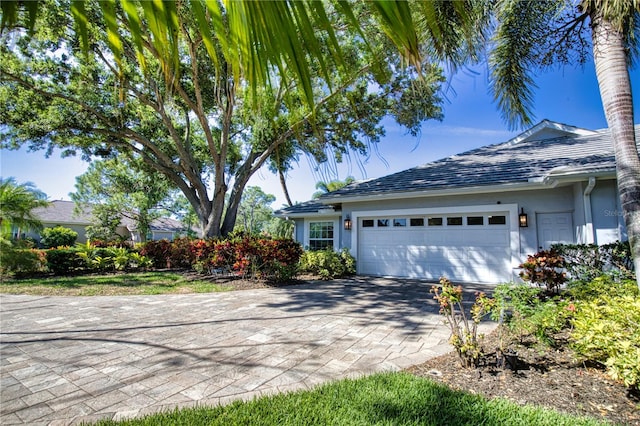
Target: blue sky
{"x":567,"y":95}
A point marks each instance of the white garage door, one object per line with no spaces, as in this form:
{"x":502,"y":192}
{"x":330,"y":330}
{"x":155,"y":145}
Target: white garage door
{"x":462,"y":247}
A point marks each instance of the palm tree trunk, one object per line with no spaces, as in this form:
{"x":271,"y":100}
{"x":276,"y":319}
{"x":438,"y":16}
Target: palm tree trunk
{"x":283,"y":184}
{"x":610,"y":59}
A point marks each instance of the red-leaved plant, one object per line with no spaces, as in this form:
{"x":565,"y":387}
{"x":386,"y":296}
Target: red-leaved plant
{"x":546,"y":269}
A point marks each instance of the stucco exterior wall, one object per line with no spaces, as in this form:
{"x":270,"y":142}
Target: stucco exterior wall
{"x":608,"y":222}
{"x":553,"y":200}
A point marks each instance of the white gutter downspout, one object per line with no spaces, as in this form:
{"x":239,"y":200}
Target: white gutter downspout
{"x":588,"y":217}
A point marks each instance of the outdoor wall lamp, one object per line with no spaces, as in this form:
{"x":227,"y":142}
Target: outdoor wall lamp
{"x":347,"y":223}
{"x":522,"y":218}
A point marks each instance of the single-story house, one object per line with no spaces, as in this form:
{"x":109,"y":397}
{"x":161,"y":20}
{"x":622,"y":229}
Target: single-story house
{"x":475,"y":216}
{"x":63,"y":213}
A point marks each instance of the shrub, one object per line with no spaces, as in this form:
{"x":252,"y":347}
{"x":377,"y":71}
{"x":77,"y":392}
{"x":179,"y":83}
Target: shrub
{"x":605,"y":329}
{"x":604,"y":285}
{"x":181,"y":255}
{"x":247,"y":255}
{"x":111,"y":258}
{"x":348,"y":261}
{"x":64,"y":260}
{"x":266,"y":258}
{"x":525,"y":310}
{"x":587,"y":261}
{"x":21,"y":262}
{"x":545,"y":268}
{"x":327,"y":263}
{"x":58,"y":236}
{"x":178,"y":253}
{"x":159,"y":252}
{"x":464,"y":332}
{"x":279,"y":259}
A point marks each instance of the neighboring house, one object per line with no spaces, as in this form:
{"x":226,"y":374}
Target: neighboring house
{"x":62,"y":213}
{"x":475,"y":216}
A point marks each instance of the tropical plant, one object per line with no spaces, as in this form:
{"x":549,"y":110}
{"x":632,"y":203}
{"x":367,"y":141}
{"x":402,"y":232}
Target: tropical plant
{"x":17,"y":202}
{"x":536,"y":34}
{"x":528,"y":35}
{"x":334,"y":185}
{"x":249,"y":46}
{"x":201,"y":126}
{"x":605,"y":329}
{"x":545,"y":268}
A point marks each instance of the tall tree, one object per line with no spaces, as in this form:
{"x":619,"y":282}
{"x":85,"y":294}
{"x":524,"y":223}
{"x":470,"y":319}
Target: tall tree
{"x":200,"y":126}
{"x":532,"y":35}
{"x":17,"y":202}
{"x":122,"y":189}
{"x":255,"y":211}
{"x":242,"y":32}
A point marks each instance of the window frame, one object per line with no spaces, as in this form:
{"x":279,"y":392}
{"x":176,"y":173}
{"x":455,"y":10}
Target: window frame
{"x":333,"y":239}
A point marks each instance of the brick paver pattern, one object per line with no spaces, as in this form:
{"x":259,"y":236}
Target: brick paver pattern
{"x":65,"y":360}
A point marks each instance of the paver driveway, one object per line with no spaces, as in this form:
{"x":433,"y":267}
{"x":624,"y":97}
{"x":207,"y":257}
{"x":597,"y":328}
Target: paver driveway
{"x":72,"y":359}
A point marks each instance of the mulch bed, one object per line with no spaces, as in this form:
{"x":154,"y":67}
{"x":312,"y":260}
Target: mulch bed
{"x":543,"y":376}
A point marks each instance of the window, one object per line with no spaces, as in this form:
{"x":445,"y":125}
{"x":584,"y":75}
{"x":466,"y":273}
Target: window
{"x":434,"y":221}
{"x":367,"y":223}
{"x":416,"y":221}
{"x":454,"y":221}
{"x":320,"y":235}
{"x":383,"y":223}
{"x":497,"y":220}
{"x":475,"y":220}
{"x":399,"y":222}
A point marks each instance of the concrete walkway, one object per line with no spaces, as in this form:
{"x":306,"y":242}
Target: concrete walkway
{"x":65,"y":360}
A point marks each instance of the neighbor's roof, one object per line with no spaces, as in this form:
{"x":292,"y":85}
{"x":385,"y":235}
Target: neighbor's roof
{"x":161,"y":224}
{"x":552,"y":150}
{"x":60,"y":212}
{"x":63,"y":212}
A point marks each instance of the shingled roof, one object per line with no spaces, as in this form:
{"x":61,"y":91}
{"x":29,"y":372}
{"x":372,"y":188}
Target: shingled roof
{"x":60,"y":211}
{"x":63,"y":212}
{"x":530,"y":157}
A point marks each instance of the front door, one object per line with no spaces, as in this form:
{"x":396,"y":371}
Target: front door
{"x":554,"y":228}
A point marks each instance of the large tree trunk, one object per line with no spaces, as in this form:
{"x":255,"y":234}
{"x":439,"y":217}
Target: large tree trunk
{"x":610,"y":59}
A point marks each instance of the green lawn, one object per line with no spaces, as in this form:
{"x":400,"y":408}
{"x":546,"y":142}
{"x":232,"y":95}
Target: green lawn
{"x":380,"y":399}
{"x":110,"y":284}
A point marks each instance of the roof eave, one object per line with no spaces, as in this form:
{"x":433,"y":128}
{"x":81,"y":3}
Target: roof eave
{"x":556,"y":177}
{"x":301,"y":215}
{"x":517,"y":186}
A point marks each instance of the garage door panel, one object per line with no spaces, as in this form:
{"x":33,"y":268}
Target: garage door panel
{"x":453,"y":237}
{"x":471,"y":253}
{"x":455,"y":253}
{"x":433,"y":237}
{"x":483,"y":238}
